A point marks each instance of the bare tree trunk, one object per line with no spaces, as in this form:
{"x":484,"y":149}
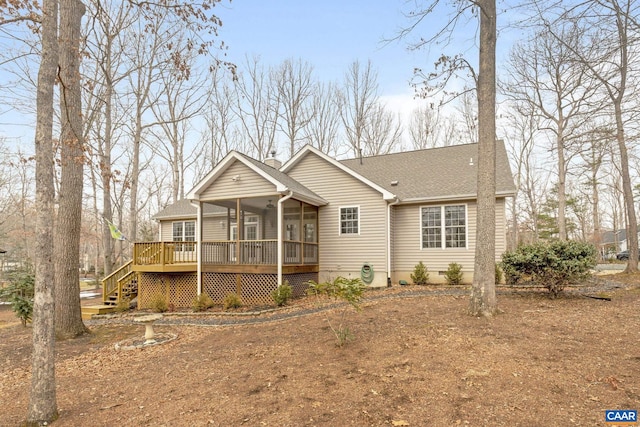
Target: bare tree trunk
{"x":562,"y":187}
{"x":105,"y":172}
{"x":483,"y":293}
{"x":69,"y":222}
{"x":632,"y":223}
{"x":623,"y":27}
{"x":135,"y":176}
{"x":42,"y":398}
{"x":294,"y":84}
{"x":360,"y":95}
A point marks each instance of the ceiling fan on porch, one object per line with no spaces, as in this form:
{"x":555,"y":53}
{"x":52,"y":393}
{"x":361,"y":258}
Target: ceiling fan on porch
{"x":270,"y":205}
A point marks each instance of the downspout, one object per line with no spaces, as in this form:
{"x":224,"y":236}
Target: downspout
{"x":395,"y":202}
{"x":280,"y":239}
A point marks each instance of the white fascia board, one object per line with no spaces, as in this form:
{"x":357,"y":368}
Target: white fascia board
{"x":386,"y":195}
{"x":194,"y":194}
{"x":310,"y":200}
{"x":449,"y":198}
{"x":222,"y":166}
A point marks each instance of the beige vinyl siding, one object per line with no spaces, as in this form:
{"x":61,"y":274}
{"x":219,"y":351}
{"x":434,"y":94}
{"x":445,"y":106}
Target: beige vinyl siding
{"x":211,"y":231}
{"x":166,"y":230}
{"x":501,"y":228}
{"x":407,"y":244}
{"x":249,"y":184}
{"x":344,"y":255}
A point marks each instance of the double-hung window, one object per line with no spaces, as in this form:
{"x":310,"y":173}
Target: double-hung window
{"x":350,"y":220}
{"x":184,"y":231}
{"x":443,"y":226}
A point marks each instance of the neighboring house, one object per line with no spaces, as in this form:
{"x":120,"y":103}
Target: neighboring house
{"x":248,"y":226}
{"x":616,"y":241}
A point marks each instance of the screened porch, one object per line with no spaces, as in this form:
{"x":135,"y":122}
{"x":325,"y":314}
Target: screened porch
{"x":238,"y":235}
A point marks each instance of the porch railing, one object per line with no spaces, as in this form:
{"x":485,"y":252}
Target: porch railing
{"x":161,"y":253}
{"x":258,"y":252}
{"x":225,"y":252}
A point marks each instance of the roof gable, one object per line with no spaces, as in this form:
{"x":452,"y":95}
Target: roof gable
{"x":307,"y":149}
{"x":222,"y":166}
{"x":280,"y":180}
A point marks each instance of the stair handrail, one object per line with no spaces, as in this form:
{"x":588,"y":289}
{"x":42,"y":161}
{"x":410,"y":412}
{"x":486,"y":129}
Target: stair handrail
{"x":126,"y":280}
{"x":111,"y":283}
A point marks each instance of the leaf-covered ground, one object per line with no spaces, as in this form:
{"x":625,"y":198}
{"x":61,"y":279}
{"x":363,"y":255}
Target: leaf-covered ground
{"x":416,"y":360}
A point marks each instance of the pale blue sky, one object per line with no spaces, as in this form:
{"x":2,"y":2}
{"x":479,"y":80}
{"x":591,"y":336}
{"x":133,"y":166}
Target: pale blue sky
{"x":330,"y":35}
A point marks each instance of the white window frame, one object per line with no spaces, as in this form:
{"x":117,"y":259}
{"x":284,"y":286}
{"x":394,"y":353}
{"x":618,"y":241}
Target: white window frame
{"x":189,"y":247}
{"x":443,"y":227}
{"x":340,"y":208}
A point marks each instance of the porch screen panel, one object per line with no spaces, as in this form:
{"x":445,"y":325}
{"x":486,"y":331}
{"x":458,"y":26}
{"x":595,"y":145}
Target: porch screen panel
{"x":292,"y":226}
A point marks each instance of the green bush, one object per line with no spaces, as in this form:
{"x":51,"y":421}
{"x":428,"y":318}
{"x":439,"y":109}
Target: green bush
{"x":282,"y":294}
{"x":20,"y":293}
{"x":231,"y":301}
{"x":498,"y":274}
{"x":348,"y":290}
{"x":453,"y":275}
{"x":420,"y":275}
{"x":202,"y":302}
{"x":552,"y":265}
{"x":159,"y":303}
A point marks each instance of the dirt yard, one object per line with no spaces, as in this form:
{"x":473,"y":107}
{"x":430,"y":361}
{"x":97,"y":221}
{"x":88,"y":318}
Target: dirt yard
{"x":414,"y":361}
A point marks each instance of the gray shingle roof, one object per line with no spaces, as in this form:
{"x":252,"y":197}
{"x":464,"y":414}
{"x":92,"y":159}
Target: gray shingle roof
{"x":432,"y":174}
{"x":435,"y":173}
{"x":183,"y":208}
{"x":613,"y":236}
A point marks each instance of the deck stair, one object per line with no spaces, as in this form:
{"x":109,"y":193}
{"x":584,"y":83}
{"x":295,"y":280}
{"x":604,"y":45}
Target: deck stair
{"x":122,"y":283}
{"x":89,"y":310}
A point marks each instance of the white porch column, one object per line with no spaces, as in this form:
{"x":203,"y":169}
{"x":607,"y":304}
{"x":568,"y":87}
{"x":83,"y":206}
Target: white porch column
{"x":199,"y":211}
{"x":280,"y":237}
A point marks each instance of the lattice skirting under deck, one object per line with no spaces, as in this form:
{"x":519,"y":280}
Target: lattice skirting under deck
{"x":181,"y":289}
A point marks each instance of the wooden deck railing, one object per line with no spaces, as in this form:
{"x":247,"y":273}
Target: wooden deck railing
{"x":225,"y":252}
{"x":161,"y":253}
{"x":112,"y":284}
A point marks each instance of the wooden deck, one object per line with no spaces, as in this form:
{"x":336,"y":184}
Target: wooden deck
{"x":227,"y":256}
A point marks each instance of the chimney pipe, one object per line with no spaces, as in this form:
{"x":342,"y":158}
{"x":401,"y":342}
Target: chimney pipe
{"x":272,"y":161}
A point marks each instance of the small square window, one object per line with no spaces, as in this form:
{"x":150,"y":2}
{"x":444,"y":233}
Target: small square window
{"x":350,"y":220}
